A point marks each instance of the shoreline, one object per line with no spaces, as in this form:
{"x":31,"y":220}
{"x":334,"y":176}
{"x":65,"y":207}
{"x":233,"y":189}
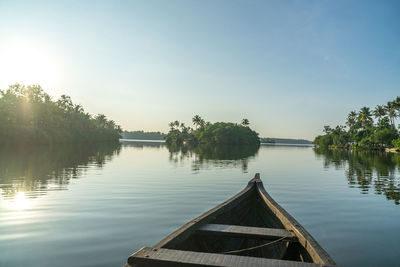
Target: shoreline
{"x":392,"y":150}
{"x":387,"y":150}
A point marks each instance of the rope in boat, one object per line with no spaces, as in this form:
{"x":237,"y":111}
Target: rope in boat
{"x":251,"y":248}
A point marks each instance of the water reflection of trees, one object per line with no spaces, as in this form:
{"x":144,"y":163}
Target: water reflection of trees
{"x":205,"y":156}
{"x":140,"y":144}
{"x":367,"y":169}
{"x":38,"y":169}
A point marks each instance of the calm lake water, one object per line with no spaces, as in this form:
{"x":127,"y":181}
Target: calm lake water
{"x":94,"y":206}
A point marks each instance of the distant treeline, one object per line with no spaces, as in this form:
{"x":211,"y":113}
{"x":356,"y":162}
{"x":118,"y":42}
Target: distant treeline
{"x":363,"y":131}
{"x":29,"y":115}
{"x":141,"y":135}
{"x":284,"y":141}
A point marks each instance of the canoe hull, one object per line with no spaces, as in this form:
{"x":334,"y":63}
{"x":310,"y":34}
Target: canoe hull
{"x":250,"y":228}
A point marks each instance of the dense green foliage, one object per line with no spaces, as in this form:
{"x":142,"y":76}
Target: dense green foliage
{"x":396,"y":143}
{"x":363,"y":131}
{"x":219,"y":133}
{"x":141,"y":135}
{"x":226,"y":133}
{"x":29,"y":115}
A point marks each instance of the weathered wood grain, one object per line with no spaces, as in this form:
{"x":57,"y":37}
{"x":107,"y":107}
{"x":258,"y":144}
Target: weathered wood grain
{"x":246,"y":231}
{"x":170,"y":257}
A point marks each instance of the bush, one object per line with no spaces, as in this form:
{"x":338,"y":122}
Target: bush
{"x":396,"y":143}
{"x":384,"y":136}
{"x":323,"y":141}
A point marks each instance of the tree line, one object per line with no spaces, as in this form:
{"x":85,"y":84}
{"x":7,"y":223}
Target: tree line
{"x":370,"y":129}
{"x":29,"y":115}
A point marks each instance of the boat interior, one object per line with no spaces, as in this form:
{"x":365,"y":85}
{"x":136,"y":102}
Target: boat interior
{"x":249,"y":229}
{"x":251,"y":212}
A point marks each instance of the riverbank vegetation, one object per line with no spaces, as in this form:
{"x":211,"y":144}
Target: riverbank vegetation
{"x":207,"y":133}
{"x":366,"y":129}
{"x":29,"y":115}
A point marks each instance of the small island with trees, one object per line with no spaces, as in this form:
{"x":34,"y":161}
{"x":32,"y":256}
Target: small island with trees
{"x":220,"y":140}
{"x":28,"y":115}
{"x":363,"y":131}
{"x":207,"y":133}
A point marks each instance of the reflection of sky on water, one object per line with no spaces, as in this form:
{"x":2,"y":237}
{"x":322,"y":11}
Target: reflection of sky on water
{"x":96,"y":206}
{"x":27,"y":173}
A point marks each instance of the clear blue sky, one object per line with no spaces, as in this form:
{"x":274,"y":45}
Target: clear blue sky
{"x":290,"y":67}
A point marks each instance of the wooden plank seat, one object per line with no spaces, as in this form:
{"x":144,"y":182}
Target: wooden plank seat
{"x":247,"y":231}
{"x":170,"y":257}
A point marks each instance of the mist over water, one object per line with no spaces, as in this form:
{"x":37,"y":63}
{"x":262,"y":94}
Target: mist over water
{"x":95,"y":205}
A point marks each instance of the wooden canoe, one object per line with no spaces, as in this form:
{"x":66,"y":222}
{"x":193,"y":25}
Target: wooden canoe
{"x":250,"y":229}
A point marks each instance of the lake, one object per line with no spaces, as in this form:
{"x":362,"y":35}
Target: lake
{"x":95,"y":205}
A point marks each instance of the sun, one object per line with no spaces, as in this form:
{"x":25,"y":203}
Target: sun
{"x":26,"y":63}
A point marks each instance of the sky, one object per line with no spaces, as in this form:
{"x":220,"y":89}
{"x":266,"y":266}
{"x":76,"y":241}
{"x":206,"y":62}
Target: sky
{"x":290,"y":67}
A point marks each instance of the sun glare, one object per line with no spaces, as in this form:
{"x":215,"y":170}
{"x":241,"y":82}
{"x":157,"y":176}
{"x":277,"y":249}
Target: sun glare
{"x":26,"y":64}
{"x":20,"y":202}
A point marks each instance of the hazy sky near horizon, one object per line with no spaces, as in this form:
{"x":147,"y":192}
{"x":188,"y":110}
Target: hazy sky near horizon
{"x":290,"y":67}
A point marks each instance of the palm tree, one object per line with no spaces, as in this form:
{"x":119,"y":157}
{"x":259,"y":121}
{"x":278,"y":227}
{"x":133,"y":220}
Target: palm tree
{"x":101,"y":119}
{"x":379,"y":112}
{"x":245,"y":122}
{"x":351,"y":119}
{"x":364,"y":116}
{"x":202,"y":123}
{"x":171,"y":125}
{"x":391,"y":111}
{"x":327,"y":129}
{"x":197,"y":120}
{"x":110,"y":124}
{"x":397,"y":105}
{"x":79,"y":109}
{"x":185,"y":130}
{"x":397,"y":101}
